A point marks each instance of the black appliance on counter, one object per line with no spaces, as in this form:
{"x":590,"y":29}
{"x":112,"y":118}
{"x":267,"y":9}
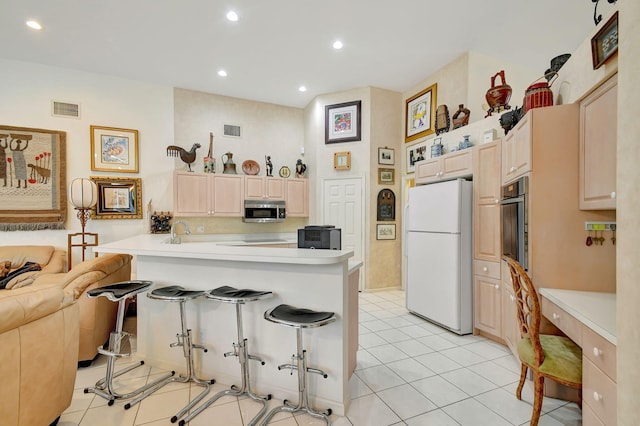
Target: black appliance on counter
{"x":320,"y":237}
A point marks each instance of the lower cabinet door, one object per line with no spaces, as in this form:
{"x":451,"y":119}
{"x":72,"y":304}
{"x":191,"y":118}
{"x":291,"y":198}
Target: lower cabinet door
{"x":486,"y":305}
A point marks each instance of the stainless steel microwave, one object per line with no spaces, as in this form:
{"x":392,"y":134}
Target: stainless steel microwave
{"x":264,"y":211}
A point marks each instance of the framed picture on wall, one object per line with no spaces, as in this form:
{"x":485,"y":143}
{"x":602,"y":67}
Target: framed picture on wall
{"x":114,"y":150}
{"x":342,"y":122}
{"x":420,"y":114}
{"x":605,"y":43}
{"x":118,"y":198}
{"x":386,"y":231}
{"x":386,"y":156}
{"x":386,"y":176}
{"x":415,"y":153}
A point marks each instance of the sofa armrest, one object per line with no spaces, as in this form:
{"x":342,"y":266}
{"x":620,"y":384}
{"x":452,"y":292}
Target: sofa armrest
{"x":24,"y":305}
{"x":78,"y":279}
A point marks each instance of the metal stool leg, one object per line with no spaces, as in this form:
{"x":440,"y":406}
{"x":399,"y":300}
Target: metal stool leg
{"x":104,"y":387}
{"x":184,"y":340}
{"x":240,"y":350}
{"x":303,"y":394}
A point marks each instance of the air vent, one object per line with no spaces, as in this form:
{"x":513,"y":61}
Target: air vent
{"x":65,"y":109}
{"x":232,"y":130}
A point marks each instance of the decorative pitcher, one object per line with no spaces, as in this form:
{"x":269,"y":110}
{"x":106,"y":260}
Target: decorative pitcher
{"x":229,"y":165}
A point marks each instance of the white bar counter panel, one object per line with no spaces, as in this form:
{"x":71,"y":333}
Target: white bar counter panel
{"x":312,"y":279}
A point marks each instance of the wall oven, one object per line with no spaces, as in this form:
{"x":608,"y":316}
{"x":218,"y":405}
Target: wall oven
{"x":515,"y":221}
{"x":264,"y":211}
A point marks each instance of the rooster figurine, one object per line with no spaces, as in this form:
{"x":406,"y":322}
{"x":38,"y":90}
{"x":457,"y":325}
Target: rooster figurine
{"x":186,"y":156}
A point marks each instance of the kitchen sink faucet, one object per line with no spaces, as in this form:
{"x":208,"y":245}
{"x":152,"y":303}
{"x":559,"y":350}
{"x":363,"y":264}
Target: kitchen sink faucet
{"x":174,"y":238}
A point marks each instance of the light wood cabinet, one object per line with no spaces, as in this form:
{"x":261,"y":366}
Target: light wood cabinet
{"x":486,"y":239}
{"x":598,"y":141}
{"x":510,"y":332}
{"x":297,"y":197}
{"x":200,"y":194}
{"x":487,"y":310}
{"x":449,"y":166}
{"x":263,"y":187}
{"x":516,"y":150}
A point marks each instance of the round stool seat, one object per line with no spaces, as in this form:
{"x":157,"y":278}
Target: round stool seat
{"x":298,"y":317}
{"x":175,"y":293}
{"x":233,"y":295}
{"x":119,"y":291}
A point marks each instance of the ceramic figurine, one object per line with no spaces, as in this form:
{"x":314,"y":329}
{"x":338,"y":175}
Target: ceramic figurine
{"x":269,"y":168}
{"x":300,"y":168}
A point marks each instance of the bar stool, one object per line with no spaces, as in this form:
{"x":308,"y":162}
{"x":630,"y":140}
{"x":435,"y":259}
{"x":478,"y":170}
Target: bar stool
{"x":178,"y":294}
{"x":119,"y":341}
{"x":297,"y":318}
{"x":228,"y":294}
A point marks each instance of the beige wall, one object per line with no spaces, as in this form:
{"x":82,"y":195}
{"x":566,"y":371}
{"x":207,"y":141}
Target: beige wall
{"x":628,"y":267}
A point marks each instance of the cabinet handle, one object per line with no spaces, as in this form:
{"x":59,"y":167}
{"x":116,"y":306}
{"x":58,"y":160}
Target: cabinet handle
{"x":496,"y":201}
{"x":597,"y":396}
{"x":596,"y":351}
{"x":512,"y":169}
{"x":512,"y":298}
{"x":613,"y":194}
{"x":485,"y":269}
{"x":497,"y":286}
{"x":555,"y":316}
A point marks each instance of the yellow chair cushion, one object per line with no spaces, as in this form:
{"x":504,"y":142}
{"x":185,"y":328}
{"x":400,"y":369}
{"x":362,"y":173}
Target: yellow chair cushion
{"x":562,"y":357}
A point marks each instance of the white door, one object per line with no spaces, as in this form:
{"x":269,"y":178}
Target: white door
{"x":342,"y":207}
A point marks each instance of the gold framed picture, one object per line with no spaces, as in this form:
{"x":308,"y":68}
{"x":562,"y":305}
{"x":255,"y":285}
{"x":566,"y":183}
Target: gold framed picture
{"x":118,"y":198}
{"x":342,"y":160}
{"x":114,"y":150}
{"x":420,"y":114}
{"x":386,"y":176}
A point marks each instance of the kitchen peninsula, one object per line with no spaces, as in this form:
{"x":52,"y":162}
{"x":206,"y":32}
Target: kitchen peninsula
{"x":324,"y":280}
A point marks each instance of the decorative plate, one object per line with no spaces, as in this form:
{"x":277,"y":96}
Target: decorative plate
{"x":250,"y":167}
{"x":285,"y":172}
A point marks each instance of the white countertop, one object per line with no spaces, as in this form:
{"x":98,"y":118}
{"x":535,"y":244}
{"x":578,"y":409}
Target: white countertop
{"x":594,"y":309}
{"x":224,"y":247}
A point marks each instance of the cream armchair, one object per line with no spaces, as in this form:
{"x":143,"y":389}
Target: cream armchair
{"x":38,"y":353}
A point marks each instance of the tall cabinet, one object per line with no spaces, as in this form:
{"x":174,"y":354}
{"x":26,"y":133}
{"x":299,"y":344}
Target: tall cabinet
{"x":486,"y":244}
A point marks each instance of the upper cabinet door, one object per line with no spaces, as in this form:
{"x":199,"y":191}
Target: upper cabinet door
{"x":297,"y":201}
{"x":598,"y":141}
{"x":228,"y":195}
{"x":516,"y":150}
{"x":191,"y":194}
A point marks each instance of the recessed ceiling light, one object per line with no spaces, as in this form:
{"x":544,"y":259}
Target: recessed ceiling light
{"x":232,"y":16}
{"x":34,"y":24}
{"x":337,"y":45}
{"x":222,"y":73}
{"x":302,"y":89}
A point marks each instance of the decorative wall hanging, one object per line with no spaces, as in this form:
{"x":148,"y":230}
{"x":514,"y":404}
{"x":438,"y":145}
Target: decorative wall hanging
{"x":386,"y":156}
{"x":32,"y":179}
{"x":342,"y":122}
{"x":605,"y":43}
{"x":386,"y":205}
{"x":114,"y":150}
{"x":342,"y":160}
{"x":417,"y":152}
{"x":386,"y":231}
{"x":386,"y":176}
{"x":420,"y":113}
{"x":118,"y":198}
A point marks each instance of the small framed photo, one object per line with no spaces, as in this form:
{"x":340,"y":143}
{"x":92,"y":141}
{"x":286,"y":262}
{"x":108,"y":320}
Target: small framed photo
{"x":386,"y":156}
{"x":386,"y":176}
{"x":118,"y":198}
{"x":605,"y":43}
{"x":420,"y":114}
{"x":415,"y":153}
{"x":342,"y":122}
{"x":342,"y":160}
{"x":114,"y":150}
{"x":386,"y":231}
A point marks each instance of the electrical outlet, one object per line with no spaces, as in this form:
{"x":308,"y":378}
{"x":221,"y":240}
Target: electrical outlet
{"x":200,"y":229}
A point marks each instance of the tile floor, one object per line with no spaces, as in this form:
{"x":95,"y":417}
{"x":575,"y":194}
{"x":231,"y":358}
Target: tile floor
{"x":409,"y":372}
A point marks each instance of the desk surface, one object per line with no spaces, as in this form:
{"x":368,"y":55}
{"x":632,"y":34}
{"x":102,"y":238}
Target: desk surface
{"x":595,"y":310}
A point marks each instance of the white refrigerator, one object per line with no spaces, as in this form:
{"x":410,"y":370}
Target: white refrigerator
{"x":439,"y":254}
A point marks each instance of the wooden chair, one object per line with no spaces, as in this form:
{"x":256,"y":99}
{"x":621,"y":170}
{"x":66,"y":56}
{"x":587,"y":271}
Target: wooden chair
{"x":548,"y":356}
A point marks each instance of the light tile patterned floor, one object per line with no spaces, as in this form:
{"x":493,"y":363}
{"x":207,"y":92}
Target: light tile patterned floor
{"x":410,"y":372}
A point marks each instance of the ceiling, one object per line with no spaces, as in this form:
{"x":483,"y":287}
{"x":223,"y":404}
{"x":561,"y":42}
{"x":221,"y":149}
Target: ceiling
{"x":278,"y":45}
